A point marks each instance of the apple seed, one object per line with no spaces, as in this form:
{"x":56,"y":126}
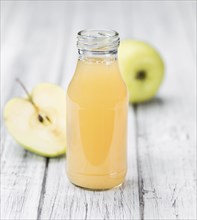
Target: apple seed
{"x":40,"y":117}
{"x":44,"y":119}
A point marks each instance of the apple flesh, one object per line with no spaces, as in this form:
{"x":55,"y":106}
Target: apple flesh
{"x":38,"y":122}
{"x":142,"y":69}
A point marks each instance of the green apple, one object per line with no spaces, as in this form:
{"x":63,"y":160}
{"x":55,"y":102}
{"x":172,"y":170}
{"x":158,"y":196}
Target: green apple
{"x":38,"y":122}
{"x":142,"y":69}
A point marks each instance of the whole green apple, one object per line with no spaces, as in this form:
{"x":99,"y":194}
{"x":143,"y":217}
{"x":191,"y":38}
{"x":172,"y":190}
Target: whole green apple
{"x":142,"y":69}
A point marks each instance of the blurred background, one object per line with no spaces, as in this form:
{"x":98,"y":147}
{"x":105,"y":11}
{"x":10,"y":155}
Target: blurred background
{"x":38,"y":38}
{"x":38,"y":44}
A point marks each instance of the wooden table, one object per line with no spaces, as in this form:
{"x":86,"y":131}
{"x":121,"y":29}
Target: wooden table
{"x":38,"y":42}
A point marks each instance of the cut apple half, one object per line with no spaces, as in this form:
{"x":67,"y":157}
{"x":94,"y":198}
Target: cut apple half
{"x":38,"y":122}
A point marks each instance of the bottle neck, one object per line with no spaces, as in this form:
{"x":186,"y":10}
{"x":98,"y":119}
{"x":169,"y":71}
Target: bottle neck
{"x":97,"y":57}
{"x":98,"y":45}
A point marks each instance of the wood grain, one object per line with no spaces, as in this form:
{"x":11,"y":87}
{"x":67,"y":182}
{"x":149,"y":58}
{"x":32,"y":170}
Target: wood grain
{"x":165,"y":126}
{"x":39,"y":44}
{"x":62,"y":200}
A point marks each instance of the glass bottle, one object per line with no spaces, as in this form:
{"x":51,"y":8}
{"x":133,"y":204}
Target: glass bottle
{"x":97,"y":105}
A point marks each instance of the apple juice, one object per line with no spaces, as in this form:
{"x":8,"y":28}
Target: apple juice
{"x":97,"y":105}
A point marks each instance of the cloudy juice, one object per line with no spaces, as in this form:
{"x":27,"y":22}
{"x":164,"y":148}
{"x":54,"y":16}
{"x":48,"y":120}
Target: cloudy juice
{"x":97,"y":104}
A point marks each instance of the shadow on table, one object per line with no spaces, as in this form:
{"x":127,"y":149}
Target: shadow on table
{"x":156,"y":101}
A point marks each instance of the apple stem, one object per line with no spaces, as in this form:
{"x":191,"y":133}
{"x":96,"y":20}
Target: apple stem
{"x":25,"y":89}
{"x":41,"y":118}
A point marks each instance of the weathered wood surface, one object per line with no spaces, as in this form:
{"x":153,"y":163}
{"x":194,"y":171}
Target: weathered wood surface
{"x":38,"y":44}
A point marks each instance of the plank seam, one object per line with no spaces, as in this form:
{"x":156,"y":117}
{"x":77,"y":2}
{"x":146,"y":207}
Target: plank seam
{"x":139,"y":170}
{"x":42,"y":194}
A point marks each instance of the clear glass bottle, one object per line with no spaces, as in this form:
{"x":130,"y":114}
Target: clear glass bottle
{"x":97,"y":105}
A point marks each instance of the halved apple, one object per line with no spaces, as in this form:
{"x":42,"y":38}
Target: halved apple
{"x":38,"y":122}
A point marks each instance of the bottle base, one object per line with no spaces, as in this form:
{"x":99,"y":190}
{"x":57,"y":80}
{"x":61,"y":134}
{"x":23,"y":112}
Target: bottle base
{"x":98,"y":183}
{"x":102,"y":189}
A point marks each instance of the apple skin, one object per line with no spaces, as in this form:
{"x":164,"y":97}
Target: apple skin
{"x":21,"y":120}
{"x":136,"y":57}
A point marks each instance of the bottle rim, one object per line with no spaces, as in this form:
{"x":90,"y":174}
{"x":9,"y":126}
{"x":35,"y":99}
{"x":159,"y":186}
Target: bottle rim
{"x":98,"y":41}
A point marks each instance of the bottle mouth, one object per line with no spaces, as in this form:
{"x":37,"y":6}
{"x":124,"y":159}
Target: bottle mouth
{"x":98,"y":41}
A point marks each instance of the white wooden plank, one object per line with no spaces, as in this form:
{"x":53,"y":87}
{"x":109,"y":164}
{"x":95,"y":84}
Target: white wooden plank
{"x":21,"y":182}
{"x":39,"y":44}
{"x":32,"y":51}
{"x":166,"y":125}
{"x":62,"y":200}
